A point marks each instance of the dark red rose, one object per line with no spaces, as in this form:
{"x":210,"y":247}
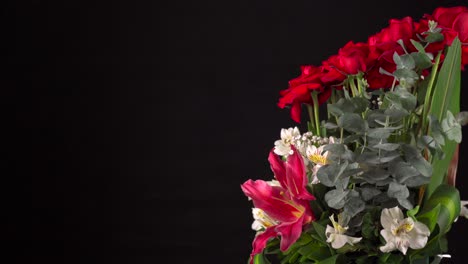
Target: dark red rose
{"x":300,"y":88}
{"x":447,"y":16}
{"x":385,"y":43}
{"x":375,"y":79}
{"x":449,"y":35}
{"x":456,"y":19}
{"x":351,"y":59}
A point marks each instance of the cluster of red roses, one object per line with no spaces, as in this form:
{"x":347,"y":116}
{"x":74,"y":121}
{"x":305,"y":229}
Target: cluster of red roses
{"x":377,"y":53}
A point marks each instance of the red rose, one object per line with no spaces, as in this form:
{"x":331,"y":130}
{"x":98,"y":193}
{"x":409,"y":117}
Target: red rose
{"x":383,"y":45}
{"x":375,"y":79}
{"x":447,"y":16}
{"x":351,"y":59}
{"x":449,"y":35}
{"x":387,"y":38}
{"x":456,"y":19}
{"x":300,"y":88}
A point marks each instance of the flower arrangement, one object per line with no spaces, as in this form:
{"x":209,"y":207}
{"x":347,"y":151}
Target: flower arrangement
{"x":373,"y":178}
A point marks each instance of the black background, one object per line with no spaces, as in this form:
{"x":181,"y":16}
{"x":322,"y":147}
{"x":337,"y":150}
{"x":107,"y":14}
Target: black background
{"x":136,"y":122}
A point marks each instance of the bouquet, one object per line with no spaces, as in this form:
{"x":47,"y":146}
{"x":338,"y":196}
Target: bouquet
{"x":372,"y":180}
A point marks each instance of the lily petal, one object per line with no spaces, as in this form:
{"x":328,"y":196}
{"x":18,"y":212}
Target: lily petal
{"x":289,"y":233}
{"x":272,"y":200}
{"x":277,"y":166}
{"x":260,"y":241}
{"x":296,"y":176}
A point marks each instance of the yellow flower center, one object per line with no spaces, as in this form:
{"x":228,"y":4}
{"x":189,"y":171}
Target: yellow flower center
{"x":403,"y":228}
{"x":318,"y":159}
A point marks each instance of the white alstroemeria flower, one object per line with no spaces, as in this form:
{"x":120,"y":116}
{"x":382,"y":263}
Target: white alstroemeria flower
{"x":288,"y":138}
{"x":464,"y":210}
{"x":261,"y":220}
{"x":318,"y":157}
{"x":336,"y":234}
{"x":401,"y":233}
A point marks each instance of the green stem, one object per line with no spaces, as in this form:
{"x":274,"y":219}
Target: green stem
{"x":316,"y":112}
{"x":310,"y":110}
{"x":341,"y":135}
{"x":427,"y":99}
{"x":359,"y":85}
{"x":393,"y":84}
{"x":354,"y":90}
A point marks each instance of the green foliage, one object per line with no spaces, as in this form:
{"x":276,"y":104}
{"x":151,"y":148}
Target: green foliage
{"x":384,"y":155}
{"x":446,"y":96}
{"x":443,"y":207}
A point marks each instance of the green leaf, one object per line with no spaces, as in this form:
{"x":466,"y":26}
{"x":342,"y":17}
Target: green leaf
{"x":335,"y":198}
{"x":418,"y":46}
{"x":367,"y":193}
{"x":313,"y":252}
{"x":452,"y":128}
{"x":353,"y":206}
{"x":411,"y":213}
{"x":320,"y":230}
{"x":429,"y":218}
{"x":422,"y":60}
{"x":352,"y":122}
{"x":434,"y":37}
{"x":446,"y":97}
{"x":404,"y":61}
{"x":414,"y":157}
{"x":398,"y":191}
{"x":330,"y":260}
{"x":331,"y":173}
{"x":462,"y":118}
{"x":387,"y":146}
{"x":448,"y":199}
{"x":260,"y":259}
{"x":406,"y":77}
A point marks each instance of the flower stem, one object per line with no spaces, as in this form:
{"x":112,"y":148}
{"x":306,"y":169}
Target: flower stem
{"x":316,"y":112}
{"x":354,"y":89}
{"x":310,"y":110}
{"x":428,"y":97}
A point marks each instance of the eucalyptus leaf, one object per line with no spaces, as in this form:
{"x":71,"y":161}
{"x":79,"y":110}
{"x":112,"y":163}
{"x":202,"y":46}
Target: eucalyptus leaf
{"x":421,"y":60}
{"x":414,"y":157}
{"x":402,"y":171}
{"x":387,"y":146}
{"x":404,"y":61}
{"x":406,"y":77}
{"x":405,"y":203}
{"x":462,"y":118}
{"x":329,"y":174}
{"x":367,"y":193}
{"x":398,"y":191}
{"x":434,"y":37}
{"x":452,"y":128}
{"x":336,"y":198}
{"x":419,"y":47}
{"x":353,"y":206}
{"x":352,"y":122}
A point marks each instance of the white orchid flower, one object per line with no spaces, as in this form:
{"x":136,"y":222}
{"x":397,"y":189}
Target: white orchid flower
{"x":288,"y":138}
{"x":336,"y":234}
{"x":401,"y":233}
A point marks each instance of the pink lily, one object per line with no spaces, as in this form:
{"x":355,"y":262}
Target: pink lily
{"x":288,"y":204}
